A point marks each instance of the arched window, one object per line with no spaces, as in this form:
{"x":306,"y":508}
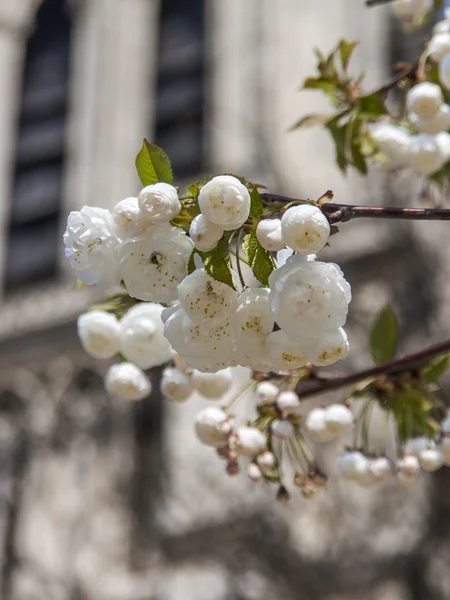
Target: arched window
{"x":33,"y":245}
{"x":179,"y":122}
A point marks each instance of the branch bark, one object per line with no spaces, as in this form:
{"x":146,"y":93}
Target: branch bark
{"x":399,"y":365}
{"x":341,"y":213}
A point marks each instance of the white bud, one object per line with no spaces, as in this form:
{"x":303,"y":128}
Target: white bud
{"x":431,"y":459}
{"x":443,"y":141}
{"x":225,"y":201}
{"x":266,"y":393}
{"x":159,"y":202}
{"x":424,"y":99}
{"x":439,"y":46}
{"x":127,"y":381}
{"x":381,"y":469}
{"x":444,"y":71}
{"x":128,"y":219}
{"x":416,"y":445}
{"x":332,"y":346}
{"x":425,"y":155}
{"x":266,"y":461}
{"x":288,"y":402}
{"x":317,"y":427}
{"x":438,"y":123}
{"x":250,"y":441}
{"x":254,"y":473}
{"x":204,"y":234}
{"x":444,"y":447}
{"x":338,"y":418}
{"x":212,"y":385}
{"x":353,"y":466}
{"x":305,"y":228}
{"x":254,"y":319}
{"x":442,"y":27}
{"x":210,"y":426}
{"x":175,"y":385}
{"x":282,"y":429}
{"x":392,"y":141}
{"x":268,"y":233}
{"x":409,"y":466}
{"x":99,"y":333}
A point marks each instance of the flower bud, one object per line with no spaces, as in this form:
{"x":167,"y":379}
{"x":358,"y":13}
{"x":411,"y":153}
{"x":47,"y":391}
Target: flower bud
{"x":443,"y":141}
{"x":392,"y":141}
{"x":380,"y":469}
{"x":424,"y":99}
{"x":254,"y":473}
{"x":415,"y":445}
{"x":317,"y":427}
{"x":128,"y":219}
{"x":409,"y":466}
{"x":204,"y":234}
{"x":353,"y":466}
{"x":439,"y":122}
{"x":305,"y":229}
{"x":266,"y":393}
{"x":266,"y":461}
{"x":175,"y":385}
{"x":268,"y":234}
{"x":338,"y":419}
{"x":225,"y":201}
{"x":442,"y":27}
{"x":288,"y":402}
{"x":282,"y":429}
{"x":159,"y":202}
{"x":99,"y":333}
{"x":439,"y":46}
{"x":250,"y":441}
{"x":212,"y":385}
{"x":444,"y":71}
{"x":425,"y":155}
{"x":431,"y":459}
{"x":127,"y":381}
{"x":209,"y":426}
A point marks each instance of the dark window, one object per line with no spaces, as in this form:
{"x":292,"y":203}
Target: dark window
{"x":33,"y":244}
{"x":180,"y":88}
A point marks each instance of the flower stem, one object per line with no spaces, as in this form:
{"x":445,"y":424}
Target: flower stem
{"x":238,"y":261}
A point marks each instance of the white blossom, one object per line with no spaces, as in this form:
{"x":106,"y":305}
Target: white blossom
{"x":253,"y":354}
{"x":381,"y":469}
{"x":99,"y":333}
{"x":317,"y":427}
{"x":282,"y":429}
{"x":268,"y":234}
{"x":416,"y":445}
{"x":266,"y":393}
{"x":431,"y":459}
{"x":225,"y":201}
{"x":205,"y":300}
{"x":439,"y":122}
{"x":153,"y":264}
{"x":443,"y":141}
{"x":393,"y":142}
{"x":254,"y":473}
{"x":127,"y":381}
{"x":305,"y":228}
{"x":91,"y":246}
{"x":409,"y":466}
{"x":175,"y":385}
{"x":444,"y":71}
{"x":212,"y":385}
{"x":353,"y":466}
{"x":442,"y":26}
{"x":285,"y":354}
{"x":159,"y":202}
{"x":332,"y":346}
{"x":439,"y":46}
{"x":288,"y":402}
{"x":266,"y":461}
{"x":424,"y":99}
{"x":211,"y":426}
{"x":308,"y":297}
{"x":142,"y":338}
{"x":338,"y":418}
{"x":128,"y":219}
{"x":204,"y":234}
{"x":254,"y":319}
{"x":249,"y":441}
{"x":426,"y":155}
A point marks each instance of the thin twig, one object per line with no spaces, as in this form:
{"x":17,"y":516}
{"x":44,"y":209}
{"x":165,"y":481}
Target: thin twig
{"x":341,"y":213}
{"x":376,"y":2}
{"x":407,"y":363}
{"x":238,"y":260}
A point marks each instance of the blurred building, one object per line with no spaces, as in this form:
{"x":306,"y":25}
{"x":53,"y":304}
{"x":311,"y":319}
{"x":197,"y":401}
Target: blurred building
{"x":105,"y":501}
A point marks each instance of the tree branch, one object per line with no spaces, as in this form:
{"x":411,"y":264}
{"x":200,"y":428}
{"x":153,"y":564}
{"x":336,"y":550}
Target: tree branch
{"x":399,"y":365}
{"x":376,"y":2}
{"x":341,"y":213}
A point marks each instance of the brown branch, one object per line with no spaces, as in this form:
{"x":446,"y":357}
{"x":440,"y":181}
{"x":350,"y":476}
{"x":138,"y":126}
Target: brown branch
{"x":376,"y":2}
{"x":407,"y":363}
{"x":340,"y":213}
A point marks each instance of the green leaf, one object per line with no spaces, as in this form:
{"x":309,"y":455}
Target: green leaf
{"x":384,"y":336}
{"x":345,"y":52}
{"x":310,"y":121}
{"x":153,"y":165}
{"x":260,"y":261}
{"x":371,"y":106}
{"x":256,"y":206}
{"x":357,"y":157}
{"x":327,"y":85}
{"x":436,"y":368}
{"x":339,"y":135}
{"x":193,"y":190}
{"x":216,"y":265}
